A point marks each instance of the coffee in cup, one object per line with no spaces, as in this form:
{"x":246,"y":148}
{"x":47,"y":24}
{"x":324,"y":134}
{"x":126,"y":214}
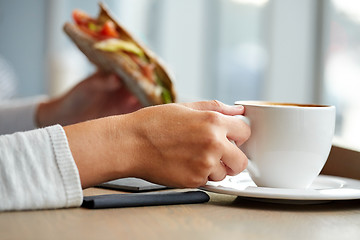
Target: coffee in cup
{"x":289,"y":143}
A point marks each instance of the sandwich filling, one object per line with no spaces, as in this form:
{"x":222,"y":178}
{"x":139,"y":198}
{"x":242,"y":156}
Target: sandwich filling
{"x":109,"y":39}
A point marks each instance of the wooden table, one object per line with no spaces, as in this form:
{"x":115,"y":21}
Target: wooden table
{"x":224,"y":217}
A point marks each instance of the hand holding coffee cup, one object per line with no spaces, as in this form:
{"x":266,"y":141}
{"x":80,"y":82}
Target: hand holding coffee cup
{"x":289,"y":143}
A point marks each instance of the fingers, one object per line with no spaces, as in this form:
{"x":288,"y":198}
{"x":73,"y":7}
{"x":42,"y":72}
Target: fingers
{"x":237,"y":130}
{"x":111,"y":82}
{"x":234,"y":159}
{"x":103,"y":81}
{"x":216,"y":106}
{"x":219,"y":172}
{"x":232,"y":162}
{"x":231,"y":127}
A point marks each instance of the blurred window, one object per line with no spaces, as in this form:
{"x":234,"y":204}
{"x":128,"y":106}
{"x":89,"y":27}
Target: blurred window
{"x":215,"y":48}
{"x":276,"y":50}
{"x":8,"y":80}
{"x":342,"y":67}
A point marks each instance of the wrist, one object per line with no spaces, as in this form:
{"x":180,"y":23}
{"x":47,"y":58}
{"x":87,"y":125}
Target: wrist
{"x":100,"y":150}
{"x":45,"y":115}
{"x":122,"y":143}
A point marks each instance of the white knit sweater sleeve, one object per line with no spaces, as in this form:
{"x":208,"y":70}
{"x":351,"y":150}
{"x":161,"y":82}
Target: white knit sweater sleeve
{"x":37,"y":171}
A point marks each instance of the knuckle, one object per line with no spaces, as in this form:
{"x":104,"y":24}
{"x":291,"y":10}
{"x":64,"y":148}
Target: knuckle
{"x":208,"y":164}
{"x":212,"y":118}
{"x":216,"y":103}
{"x":212,"y":144}
{"x":204,"y":164}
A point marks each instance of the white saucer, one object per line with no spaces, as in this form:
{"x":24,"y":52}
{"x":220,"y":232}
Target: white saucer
{"x":325,"y":188}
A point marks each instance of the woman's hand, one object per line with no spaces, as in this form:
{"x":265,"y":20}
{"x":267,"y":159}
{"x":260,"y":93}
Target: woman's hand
{"x":97,"y":96}
{"x":178,"y":145}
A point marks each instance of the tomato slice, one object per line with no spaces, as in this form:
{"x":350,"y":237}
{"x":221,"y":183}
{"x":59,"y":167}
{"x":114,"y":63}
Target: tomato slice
{"x":81,"y":18}
{"x":92,"y":27}
{"x":109,"y":30}
{"x":148,"y":71}
{"x":89,"y":32}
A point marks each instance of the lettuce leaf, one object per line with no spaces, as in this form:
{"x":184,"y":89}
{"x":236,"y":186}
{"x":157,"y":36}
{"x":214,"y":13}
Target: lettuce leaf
{"x":166,"y":95}
{"x":114,"y":45}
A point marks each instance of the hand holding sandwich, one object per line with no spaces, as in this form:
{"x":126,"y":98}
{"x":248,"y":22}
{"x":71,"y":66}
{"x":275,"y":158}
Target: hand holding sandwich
{"x":99,"y":95}
{"x":111,"y":47}
{"x":179,"y":145}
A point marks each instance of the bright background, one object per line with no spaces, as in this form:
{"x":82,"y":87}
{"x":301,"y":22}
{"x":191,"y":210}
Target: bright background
{"x":305,"y":51}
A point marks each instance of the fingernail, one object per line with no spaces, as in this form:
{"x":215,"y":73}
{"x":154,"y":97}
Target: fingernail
{"x":239,"y":106}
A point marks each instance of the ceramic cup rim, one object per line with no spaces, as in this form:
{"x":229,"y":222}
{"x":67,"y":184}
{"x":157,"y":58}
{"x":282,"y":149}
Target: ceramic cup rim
{"x":270,"y":104}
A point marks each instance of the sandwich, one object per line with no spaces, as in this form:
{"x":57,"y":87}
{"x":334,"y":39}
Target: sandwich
{"x":112,"y":48}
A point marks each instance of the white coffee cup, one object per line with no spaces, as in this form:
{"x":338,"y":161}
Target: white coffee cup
{"x":289,"y":143}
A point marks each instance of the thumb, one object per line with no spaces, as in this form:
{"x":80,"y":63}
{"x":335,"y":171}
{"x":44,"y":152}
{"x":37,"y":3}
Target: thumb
{"x":217,"y":106}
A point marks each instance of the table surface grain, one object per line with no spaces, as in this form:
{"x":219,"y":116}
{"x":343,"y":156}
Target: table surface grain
{"x":223,"y":217}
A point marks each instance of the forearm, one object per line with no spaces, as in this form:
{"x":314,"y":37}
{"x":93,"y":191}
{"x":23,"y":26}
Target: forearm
{"x":170,"y":144}
{"x":97,"y":96}
{"x":100,"y":149}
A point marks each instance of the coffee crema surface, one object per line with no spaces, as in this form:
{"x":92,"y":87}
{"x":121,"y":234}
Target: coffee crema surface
{"x":264,"y":103}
